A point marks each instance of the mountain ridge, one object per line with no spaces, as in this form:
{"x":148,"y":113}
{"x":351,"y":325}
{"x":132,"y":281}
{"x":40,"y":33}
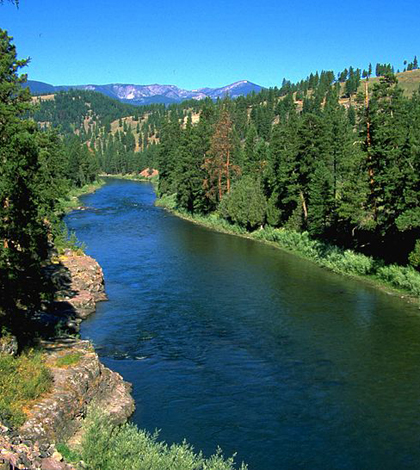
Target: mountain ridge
{"x":153,"y":93}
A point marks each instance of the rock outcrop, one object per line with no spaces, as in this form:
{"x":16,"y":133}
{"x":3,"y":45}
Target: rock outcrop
{"x":149,"y":173}
{"x":84,"y":382}
{"x":80,"y":380}
{"x":80,"y":282}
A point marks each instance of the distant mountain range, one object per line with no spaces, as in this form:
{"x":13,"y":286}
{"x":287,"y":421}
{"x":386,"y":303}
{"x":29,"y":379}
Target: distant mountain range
{"x":147,"y":94}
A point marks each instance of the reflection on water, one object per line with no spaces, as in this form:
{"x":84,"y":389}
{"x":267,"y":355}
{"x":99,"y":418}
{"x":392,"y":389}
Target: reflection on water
{"x":234,"y":343}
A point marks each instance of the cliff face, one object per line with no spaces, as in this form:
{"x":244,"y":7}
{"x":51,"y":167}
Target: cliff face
{"x":79,"y":281}
{"x":80,"y":380}
{"x":84,"y":382}
{"x":58,"y":417}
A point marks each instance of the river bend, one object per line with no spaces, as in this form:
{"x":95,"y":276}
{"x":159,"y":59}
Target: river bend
{"x":231,"y":342}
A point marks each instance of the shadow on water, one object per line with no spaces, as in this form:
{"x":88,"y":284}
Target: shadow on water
{"x":228,"y":341}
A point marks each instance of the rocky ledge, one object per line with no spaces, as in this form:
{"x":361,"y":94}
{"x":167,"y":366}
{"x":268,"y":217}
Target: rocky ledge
{"x":80,"y":380}
{"x":79,"y":283}
{"x":84,"y":382}
{"x":17,"y":452}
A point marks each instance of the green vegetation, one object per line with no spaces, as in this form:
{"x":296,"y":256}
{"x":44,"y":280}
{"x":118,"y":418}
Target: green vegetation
{"x":107,"y":447}
{"x":68,"y":360}
{"x":64,"y":241}
{"x":70,"y":200}
{"x":38,"y":170}
{"x":22,"y":380}
{"x":29,"y":180}
{"x":102,"y":132}
{"x":335,"y":177}
{"x":70,"y":455}
{"x":342,"y":261}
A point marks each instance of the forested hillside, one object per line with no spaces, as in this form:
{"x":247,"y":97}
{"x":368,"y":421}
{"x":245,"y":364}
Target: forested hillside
{"x":335,"y":155}
{"x":347,"y":175}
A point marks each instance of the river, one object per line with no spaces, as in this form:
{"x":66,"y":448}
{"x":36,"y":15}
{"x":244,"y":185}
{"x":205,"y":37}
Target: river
{"x":231,"y":342}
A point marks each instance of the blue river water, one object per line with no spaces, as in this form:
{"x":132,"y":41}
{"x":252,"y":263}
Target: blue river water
{"x":234,"y":343}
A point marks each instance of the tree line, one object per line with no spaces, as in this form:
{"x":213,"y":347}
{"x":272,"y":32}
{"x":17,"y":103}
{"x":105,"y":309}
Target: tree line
{"x":308,"y":162}
{"x":346,"y":175}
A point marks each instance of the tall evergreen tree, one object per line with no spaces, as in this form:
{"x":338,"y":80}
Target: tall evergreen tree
{"x":26,"y":202}
{"x":218,"y":165}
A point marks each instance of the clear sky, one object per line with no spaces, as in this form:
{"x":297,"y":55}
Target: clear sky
{"x":211,"y":43}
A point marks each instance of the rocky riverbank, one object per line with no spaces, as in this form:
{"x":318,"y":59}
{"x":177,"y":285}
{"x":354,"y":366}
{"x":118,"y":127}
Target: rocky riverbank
{"x":80,"y":380}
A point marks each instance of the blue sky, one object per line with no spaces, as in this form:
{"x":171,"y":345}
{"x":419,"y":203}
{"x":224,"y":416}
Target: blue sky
{"x":207,"y":43}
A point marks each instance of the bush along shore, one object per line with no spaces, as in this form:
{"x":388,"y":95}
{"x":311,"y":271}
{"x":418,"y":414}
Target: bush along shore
{"x":399,"y":280}
{"x":72,"y":201}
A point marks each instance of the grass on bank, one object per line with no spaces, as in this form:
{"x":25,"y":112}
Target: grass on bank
{"x":105,"y":446}
{"x":23,"y":379}
{"x":404,"y":279}
{"x":63,"y":240}
{"x":71,"y":201}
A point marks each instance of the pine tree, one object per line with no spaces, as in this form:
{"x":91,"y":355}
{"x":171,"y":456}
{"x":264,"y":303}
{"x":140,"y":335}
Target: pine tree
{"x":189,"y":170}
{"x":384,"y":143}
{"x":250,"y":159}
{"x":280,"y":176}
{"x":218,"y":164}
{"x":168,"y":150}
{"x":27,"y":203}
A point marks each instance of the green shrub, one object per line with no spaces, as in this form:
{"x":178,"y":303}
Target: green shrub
{"x":69,"y":455}
{"x":414,"y":256}
{"x":405,"y":278}
{"x":245,"y":205}
{"x":108,"y":447}
{"x":348,"y":262}
{"x":22,"y":380}
{"x":167,"y":200}
{"x":329,"y":256}
{"x":63,"y":240}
